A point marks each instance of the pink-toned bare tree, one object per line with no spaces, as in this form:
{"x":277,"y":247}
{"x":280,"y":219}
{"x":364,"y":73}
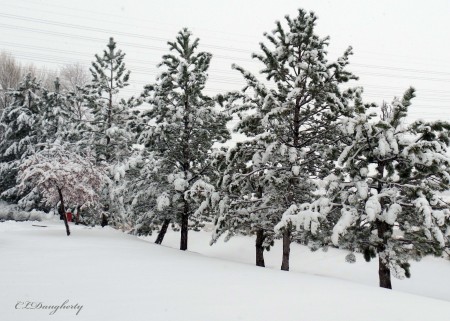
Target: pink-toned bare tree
{"x":63,"y":177}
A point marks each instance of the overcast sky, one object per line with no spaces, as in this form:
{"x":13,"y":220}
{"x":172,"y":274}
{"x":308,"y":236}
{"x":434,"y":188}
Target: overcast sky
{"x":396,"y":43}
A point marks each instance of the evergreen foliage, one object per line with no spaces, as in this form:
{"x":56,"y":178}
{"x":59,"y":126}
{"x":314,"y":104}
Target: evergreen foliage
{"x":317,"y":165}
{"x":106,"y":131}
{"x":109,"y":136}
{"x":20,"y":134}
{"x":183,"y":125}
{"x":290,"y":120}
{"x":387,"y":197}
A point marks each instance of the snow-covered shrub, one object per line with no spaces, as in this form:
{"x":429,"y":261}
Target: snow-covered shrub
{"x":15,"y":213}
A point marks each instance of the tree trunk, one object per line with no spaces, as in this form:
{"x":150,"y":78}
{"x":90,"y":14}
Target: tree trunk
{"x":62,"y":211}
{"x":186,"y":157}
{"x":77,"y":217}
{"x":286,"y":248}
{"x":104,"y":220}
{"x":61,"y":216}
{"x":293,"y":181}
{"x":384,"y":272}
{"x":384,"y":231}
{"x":259,"y":247}
{"x":184,"y":227}
{"x":110,"y":105}
{"x":162,"y":232}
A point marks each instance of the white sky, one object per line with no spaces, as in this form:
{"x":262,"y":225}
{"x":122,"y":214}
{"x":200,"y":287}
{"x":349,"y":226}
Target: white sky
{"x":396,"y":43}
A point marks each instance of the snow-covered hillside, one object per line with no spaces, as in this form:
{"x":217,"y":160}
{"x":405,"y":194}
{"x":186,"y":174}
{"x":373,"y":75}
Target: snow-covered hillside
{"x":119,"y":277}
{"x":428,"y":275}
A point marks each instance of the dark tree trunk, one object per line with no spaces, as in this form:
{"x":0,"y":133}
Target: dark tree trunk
{"x":293,"y":181}
{"x":384,"y":233}
{"x":104,"y":220}
{"x":162,"y":232}
{"x":286,"y":248}
{"x":384,"y":272}
{"x":184,"y":227}
{"x":186,"y":156}
{"x":61,"y":216}
{"x":110,"y":107}
{"x":62,"y":211}
{"x":259,"y":247}
{"x":77,"y":217}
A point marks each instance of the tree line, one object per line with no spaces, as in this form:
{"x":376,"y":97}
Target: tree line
{"x":318,"y":166}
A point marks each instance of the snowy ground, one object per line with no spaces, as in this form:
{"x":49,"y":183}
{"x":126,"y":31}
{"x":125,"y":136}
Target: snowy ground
{"x":119,"y":277}
{"x":428,"y":275}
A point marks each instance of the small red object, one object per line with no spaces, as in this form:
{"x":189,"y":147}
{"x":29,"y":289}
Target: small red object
{"x":69,"y":216}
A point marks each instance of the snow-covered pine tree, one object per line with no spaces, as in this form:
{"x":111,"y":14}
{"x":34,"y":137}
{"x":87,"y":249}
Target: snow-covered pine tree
{"x":56,"y":116}
{"x":184,"y":125}
{"x":20,"y":133}
{"x":107,"y":133}
{"x":388,"y":196}
{"x":149,"y":207}
{"x":74,"y":80}
{"x":244,"y":208}
{"x":399,"y":171}
{"x":37,"y":117}
{"x":292,"y":114}
{"x":110,"y":112}
{"x":62,"y":117}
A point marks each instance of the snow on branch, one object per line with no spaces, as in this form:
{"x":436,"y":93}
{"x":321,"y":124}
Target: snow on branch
{"x":58,"y":169}
{"x":306,"y":216}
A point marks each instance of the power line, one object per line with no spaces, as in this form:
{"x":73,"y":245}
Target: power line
{"x":115,"y":32}
{"x":42,"y":21}
{"x":402,"y":69}
{"x":230,"y":80}
{"x":152,"y":70}
{"x":242,"y":35}
{"x":381,"y":95}
{"x":135,"y":35}
{"x":224,"y":57}
{"x":213,"y":90}
{"x":257,"y":39}
{"x":98,"y":40}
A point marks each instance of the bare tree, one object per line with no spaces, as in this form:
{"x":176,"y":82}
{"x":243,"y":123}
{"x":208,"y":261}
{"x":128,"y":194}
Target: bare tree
{"x":44,"y":75}
{"x":10,"y":76}
{"x":74,"y":77}
{"x":63,"y":177}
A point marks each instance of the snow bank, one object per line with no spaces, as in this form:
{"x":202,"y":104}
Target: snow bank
{"x":13,"y":213}
{"x":115,"y":276}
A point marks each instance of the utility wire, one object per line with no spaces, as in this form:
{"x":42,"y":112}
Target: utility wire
{"x":213,"y":90}
{"x":235,"y":58}
{"x":97,"y":13}
{"x":135,"y":35}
